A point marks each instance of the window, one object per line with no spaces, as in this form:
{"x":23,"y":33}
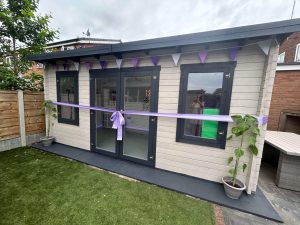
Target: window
{"x":204,"y":89}
{"x":67,"y":91}
{"x":280,"y":58}
{"x":297,"y":55}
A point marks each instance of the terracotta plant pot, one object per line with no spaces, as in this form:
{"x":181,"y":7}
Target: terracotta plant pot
{"x":233,"y":192}
{"x":47,"y":140}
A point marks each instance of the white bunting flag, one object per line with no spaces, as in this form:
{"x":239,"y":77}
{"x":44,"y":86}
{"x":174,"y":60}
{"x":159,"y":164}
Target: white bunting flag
{"x":265,"y":46}
{"x":176,"y":58}
{"x":76,"y":65}
{"x":119,"y":62}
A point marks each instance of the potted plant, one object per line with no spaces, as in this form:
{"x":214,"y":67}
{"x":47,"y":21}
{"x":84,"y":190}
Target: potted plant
{"x":246,"y":130}
{"x":50,"y":111}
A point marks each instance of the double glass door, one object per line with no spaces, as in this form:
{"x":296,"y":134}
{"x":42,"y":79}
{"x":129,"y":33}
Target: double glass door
{"x":126,"y":89}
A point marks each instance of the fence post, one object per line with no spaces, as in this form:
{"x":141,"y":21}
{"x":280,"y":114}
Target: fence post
{"x":22,"y":117}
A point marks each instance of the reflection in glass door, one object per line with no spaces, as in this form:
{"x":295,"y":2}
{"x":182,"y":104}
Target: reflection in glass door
{"x":125,"y":89}
{"x":106,"y":96}
{"x":137,"y":93}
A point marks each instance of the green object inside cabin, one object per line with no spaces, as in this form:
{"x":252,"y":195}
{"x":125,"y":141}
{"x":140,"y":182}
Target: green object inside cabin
{"x":210,"y":128}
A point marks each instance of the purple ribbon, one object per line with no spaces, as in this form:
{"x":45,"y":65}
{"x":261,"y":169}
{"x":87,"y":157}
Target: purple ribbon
{"x":118,"y":119}
{"x":118,"y":122}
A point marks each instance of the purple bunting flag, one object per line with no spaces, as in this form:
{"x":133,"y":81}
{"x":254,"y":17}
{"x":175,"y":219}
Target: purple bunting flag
{"x":232,"y":52}
{"x":202,"y":56}
{"x":135,"y":61}
{"x":154,"y":60}
{"x":65,"y":65}
{"x":53,"y":66}
{"x":103,"y":64}
{"x":88,"y":65}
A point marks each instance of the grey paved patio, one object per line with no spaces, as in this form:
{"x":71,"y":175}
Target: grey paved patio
{"x":285,"y":202}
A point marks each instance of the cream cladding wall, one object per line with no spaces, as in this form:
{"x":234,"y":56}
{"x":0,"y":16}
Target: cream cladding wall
{"x":77,"y":136}
{"x":199,"y":161}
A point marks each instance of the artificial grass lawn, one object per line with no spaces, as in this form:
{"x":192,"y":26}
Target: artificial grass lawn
{"x":41,"y":188}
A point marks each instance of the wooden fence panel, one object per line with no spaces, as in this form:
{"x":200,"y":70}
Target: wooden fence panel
{"x":34,"y":116}
{"x":9,"y":115}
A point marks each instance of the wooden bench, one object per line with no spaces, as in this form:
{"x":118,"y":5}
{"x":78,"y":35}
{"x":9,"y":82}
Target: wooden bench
{"x":288,"y":171}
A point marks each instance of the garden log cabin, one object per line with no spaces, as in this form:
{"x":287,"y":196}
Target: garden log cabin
{"x":222,"y":72}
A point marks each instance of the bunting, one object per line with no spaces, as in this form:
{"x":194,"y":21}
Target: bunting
{"x":265,"y":46}
{"x":103,"y":64}
{"x":135,"y":61}
{"x":76,"y":65}
{"x":119,"y":63}
{"x":65,"y":65}
{"x":202,"y":56}
{"x":155,"y":60}
{"x":232,"y":53}
{"x":176,"y":58}
{"x":88,"y":65}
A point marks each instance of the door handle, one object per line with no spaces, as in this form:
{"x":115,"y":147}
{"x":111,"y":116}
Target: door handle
{"x":152,"y":119}
{"x":221,"y":133}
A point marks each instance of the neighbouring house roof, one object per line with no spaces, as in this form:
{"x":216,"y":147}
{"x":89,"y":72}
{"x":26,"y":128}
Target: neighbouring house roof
{"x":83,"y":40}
{"x":280,"y":30}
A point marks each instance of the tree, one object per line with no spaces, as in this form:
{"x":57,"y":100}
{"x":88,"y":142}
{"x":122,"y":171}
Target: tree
{"x":23,"y":32}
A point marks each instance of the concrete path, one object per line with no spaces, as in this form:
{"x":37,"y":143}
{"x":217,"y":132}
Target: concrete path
{"x":286,"y":203}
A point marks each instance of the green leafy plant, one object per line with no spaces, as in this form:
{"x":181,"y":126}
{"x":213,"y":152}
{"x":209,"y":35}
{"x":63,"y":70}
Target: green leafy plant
{"x":9,"y":81}
{"x":51,"y":112}
{"x":246,"y":130}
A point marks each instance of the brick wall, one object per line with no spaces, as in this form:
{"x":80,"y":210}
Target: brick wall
{"x":285,"y":96}
{"x":289,"y":47}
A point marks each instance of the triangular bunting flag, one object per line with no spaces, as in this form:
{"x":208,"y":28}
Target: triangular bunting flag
{"x":202,"y":56}
{"x":76,"y":65}
{"x":265,"y":46}
{"x":119,"y":62}
{"x":176,"y":58}
{"x":154,"y":60}
{"x":232,"y":53}
{"x":88,"y":65}
{"x":135,"y":61}
{"x":103,"y":64}
{"x":53,"y":66}
{"x":65,"y":65}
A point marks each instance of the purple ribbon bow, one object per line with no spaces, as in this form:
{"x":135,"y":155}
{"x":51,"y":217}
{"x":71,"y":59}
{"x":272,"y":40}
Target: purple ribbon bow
{"x":118,"y":122}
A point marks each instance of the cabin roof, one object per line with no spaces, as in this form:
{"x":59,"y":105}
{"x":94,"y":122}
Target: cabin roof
{"x":280,"y":30}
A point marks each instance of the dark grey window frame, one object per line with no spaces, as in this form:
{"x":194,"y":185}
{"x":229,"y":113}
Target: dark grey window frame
{"x":228,"y":72}
{"x":59,"y":75}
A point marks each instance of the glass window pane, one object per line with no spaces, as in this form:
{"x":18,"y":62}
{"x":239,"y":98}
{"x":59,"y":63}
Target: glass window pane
{"x":136,"y":132}
{"x":106,"y":96}
{"x":203,"y":96}
{"x":67,"y":94}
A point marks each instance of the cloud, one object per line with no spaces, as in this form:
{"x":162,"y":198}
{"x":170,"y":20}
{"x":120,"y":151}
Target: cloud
{"x":142,"y":19}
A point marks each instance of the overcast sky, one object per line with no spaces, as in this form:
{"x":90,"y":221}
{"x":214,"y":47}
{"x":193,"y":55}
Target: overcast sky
{"x":143,"y":19}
